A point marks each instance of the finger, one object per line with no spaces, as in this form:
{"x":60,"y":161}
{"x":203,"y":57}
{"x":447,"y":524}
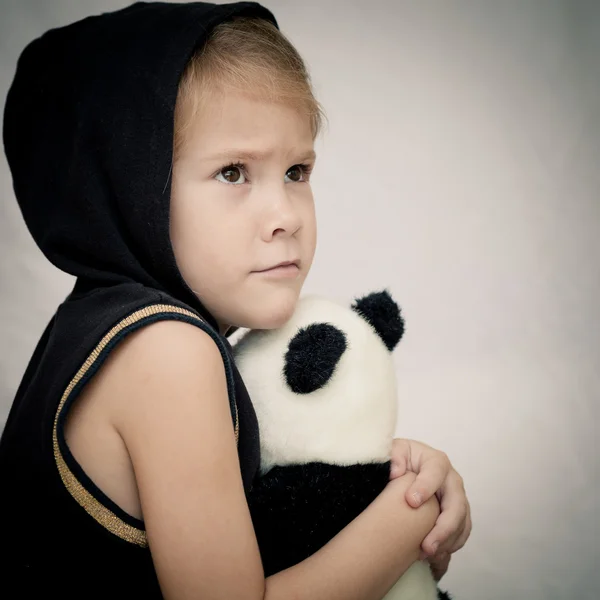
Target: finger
{"x":461,"y":540}
{"x":432,"y":474}
{"x":453,"y":525}
{"x":396,"y":471}
{"x":463,"y":534}
{"x":397,"y":468}
{"x":439,"y":566}
{"x":399,"y":458}
{"x":431,"y":551}
{"x":417,"y":453}
{"x":455,"y":541}
{"x":446,"y":531}
{"x":452,"y":521}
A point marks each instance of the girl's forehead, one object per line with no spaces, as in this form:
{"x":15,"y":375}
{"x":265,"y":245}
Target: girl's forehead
{"x":235,"y":121}
{"x":240,"y":108}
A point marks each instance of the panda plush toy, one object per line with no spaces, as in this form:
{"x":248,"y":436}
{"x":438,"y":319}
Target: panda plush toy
{"x":324,"y":390}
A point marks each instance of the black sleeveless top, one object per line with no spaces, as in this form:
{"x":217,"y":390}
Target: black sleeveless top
{"x":88,"y":135}
{"x":62,"y":534}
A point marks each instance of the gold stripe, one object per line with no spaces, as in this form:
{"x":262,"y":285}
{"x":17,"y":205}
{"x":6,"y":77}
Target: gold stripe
{"x":92,"y":506}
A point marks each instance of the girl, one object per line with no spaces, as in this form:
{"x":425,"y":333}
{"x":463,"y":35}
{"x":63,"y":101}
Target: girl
{"x":162,"y":155}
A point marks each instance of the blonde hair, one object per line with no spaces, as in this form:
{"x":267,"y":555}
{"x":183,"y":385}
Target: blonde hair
{"x":250,"y":56}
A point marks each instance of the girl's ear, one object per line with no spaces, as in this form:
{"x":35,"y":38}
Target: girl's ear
{"x":383,"y":314}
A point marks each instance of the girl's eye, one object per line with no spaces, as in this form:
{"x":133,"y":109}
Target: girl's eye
{"x":235,"y":174}
{"x":232,"y":174}
{"x":300,"y":172}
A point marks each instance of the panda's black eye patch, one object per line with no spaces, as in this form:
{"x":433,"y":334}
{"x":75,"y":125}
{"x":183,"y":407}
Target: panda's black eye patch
{"x":312,"y":356}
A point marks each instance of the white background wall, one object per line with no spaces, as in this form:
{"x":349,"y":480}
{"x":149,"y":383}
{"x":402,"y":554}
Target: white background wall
{"x":461,"y":169}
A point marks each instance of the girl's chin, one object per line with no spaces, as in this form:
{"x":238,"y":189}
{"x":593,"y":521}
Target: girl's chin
{"x":272,"y":320}
{"x":270,"y":313}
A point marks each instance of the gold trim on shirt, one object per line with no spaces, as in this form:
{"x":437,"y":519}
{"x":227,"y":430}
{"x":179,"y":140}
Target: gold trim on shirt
{"x":85,"y":499}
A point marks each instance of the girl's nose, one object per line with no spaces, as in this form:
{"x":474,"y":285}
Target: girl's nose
{"x":281,"y":216}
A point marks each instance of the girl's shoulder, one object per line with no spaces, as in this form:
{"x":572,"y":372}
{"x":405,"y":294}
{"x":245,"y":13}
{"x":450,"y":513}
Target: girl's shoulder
{"x":149,"y":375}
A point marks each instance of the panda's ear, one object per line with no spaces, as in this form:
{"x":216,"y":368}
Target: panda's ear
{"x":383,"y":314}
{"x":312,"y":356}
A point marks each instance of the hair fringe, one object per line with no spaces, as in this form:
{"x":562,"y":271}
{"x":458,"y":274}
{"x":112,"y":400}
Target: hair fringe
{"x":239,"y":55}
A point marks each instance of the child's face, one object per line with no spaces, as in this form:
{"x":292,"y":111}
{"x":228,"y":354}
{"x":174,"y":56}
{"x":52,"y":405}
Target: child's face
{"x":229,"y":223}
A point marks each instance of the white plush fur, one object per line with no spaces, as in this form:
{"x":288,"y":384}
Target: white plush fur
{"x":350,"y":420}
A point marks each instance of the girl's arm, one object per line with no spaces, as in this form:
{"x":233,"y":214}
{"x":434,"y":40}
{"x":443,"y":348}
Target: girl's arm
{"x":367,"y":557}
{"x":166,"y":389}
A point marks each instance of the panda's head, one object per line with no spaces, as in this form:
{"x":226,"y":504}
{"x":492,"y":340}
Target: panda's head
{"x":323,"y":386}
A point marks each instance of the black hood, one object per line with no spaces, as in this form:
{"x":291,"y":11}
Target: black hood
{"x":88,"y":134}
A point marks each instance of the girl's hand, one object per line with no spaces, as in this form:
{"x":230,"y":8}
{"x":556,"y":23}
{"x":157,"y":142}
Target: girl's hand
{"x":439,"y":564}
{"x":435,"y":475}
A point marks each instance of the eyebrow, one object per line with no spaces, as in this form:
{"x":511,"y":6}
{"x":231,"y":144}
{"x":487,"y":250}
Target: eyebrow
{"x":239,"y":154}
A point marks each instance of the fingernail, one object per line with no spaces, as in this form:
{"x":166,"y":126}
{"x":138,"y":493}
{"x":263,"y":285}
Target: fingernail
{"x":418,"y":498}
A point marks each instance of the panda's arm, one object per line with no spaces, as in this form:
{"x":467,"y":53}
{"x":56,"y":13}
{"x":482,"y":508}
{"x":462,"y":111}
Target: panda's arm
{"x":297,"y":509}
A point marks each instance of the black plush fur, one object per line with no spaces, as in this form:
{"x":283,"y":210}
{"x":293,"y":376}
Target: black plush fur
{"x":297,"y":509}
{"x":312,"y":356}
{"x":383,"y":314}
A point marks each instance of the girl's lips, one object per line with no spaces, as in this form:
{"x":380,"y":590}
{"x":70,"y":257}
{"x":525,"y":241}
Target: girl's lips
{"x":285,"y":263}
{"x":289,"y":270}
